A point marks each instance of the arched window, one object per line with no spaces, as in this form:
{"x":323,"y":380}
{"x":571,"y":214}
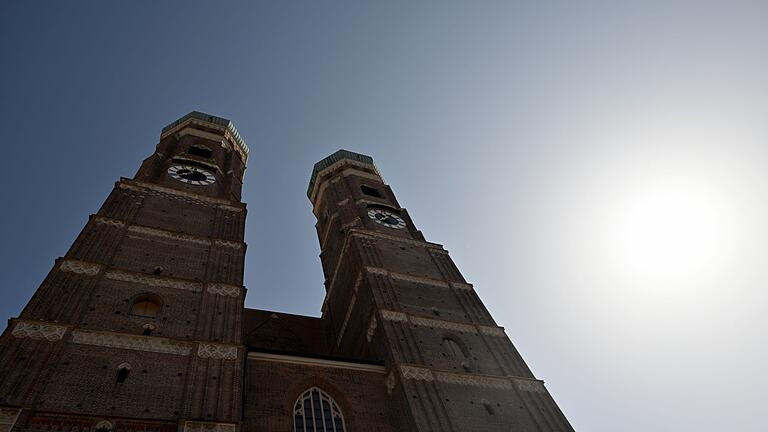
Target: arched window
{"x":146,"y":305}
{"x":315,"y":411}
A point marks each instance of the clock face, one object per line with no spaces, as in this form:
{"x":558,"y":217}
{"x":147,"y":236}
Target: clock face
{"x":386,"y":218}
{"x":191,"y":174}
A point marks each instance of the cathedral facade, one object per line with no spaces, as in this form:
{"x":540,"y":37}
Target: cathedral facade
{"x":141,"y":326}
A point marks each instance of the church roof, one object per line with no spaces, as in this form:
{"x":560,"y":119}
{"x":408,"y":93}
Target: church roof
{"x":289,"y":334}
{"x":283,"y":332}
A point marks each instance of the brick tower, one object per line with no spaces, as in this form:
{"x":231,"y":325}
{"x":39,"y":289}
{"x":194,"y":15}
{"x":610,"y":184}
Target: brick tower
{"x":141,"y":326}
{"x":138,"y":326}
{"x":393,"y":296}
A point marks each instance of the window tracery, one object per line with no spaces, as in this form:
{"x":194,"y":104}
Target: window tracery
{"x":316,"y":411}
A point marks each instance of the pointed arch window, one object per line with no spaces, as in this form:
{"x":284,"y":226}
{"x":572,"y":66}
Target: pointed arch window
{"x":453,"y":349}
{"x":316,"y":411}
{"x":456,"y":352}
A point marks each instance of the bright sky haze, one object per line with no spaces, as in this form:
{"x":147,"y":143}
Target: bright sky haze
{"x":596,"y":169}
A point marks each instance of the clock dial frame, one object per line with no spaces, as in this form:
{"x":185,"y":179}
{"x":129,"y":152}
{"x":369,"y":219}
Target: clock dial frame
{"x":191,"y":175}
{"x":387,"y":218}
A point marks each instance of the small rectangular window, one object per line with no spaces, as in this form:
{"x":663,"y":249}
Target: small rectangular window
{"x":370,"y":191}
{"x":200,"y":151}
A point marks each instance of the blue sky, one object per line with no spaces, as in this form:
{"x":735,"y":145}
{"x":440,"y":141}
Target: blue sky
{"x":597,"y":169}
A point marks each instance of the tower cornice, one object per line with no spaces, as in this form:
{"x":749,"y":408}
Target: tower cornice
{"x":335,"y":161}
{"x":218,"y":123}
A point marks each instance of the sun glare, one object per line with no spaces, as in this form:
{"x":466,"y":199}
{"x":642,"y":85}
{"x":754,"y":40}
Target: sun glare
{"x":668,"y":229}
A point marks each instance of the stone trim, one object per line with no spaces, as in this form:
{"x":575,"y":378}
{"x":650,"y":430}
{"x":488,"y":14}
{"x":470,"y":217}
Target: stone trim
{"x":416,"y":373}
{"x":8,"y":417}
{"x":167,"y":282}
{"x":423,"y":243}
{"x":382,"y":203}
{"x":108,"y":221}
{"x":310,"y":361}
{"x":157,"y":232}
{"x":150,"y":280}
{"x":224,"y":289}
{"x":183,"y":237}
{"x":420,"y":373}
{"x":474,"y":380}
{"x":217,"y":351}
{"x":530,"y":385}
{"x":230,"y":208}
{"x":462,"y":286}
{"x":198,"y":160}
{"x":439,"y":251}
{"x":80,"y":267}
{"x":38,"y":330}
{"x":492,"y":331}
{"x":419,"y":279}
{"x":395,"y":316}
{"x":377,"y":270}
{"x":195,"y":426}
{"x":446,"y":325}
{"x":132,"y":342}
{"x":228,"y":243}
{"x":167,"y":234}
{"x":140,"y":186}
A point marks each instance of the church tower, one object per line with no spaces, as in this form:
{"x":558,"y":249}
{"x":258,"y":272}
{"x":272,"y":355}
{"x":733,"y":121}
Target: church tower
{"x":394,"y":296}
{"x":138,"y":326}
{"x":141,"y":326}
